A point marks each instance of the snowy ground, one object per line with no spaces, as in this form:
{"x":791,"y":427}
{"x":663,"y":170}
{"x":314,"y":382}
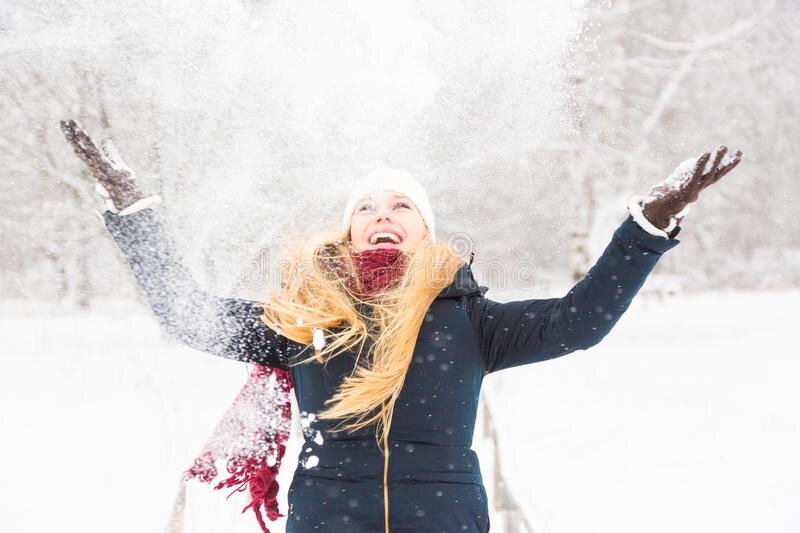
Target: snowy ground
{"x":683,"y":419}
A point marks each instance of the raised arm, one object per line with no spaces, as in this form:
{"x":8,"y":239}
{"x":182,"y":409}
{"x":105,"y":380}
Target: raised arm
{"x":227,"y":327}
{"x":528,"y":331}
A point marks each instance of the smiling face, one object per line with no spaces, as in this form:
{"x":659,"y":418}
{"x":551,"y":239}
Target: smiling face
{"x":386,"y":219}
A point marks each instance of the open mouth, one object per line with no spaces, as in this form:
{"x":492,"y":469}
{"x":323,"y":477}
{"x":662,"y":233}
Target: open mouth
{"x":385,"y":238}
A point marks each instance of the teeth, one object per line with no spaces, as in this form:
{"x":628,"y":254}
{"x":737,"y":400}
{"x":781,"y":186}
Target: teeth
{"x":377,"y":236}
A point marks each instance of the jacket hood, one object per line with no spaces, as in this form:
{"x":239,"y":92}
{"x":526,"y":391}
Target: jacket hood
{"x":463,"y":284}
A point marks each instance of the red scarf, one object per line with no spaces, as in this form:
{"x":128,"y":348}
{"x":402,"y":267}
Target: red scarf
{"x":251,"y":435}
{"x":378,"y":269}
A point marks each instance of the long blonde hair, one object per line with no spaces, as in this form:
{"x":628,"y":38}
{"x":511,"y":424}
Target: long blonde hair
{"x":316,"y":293}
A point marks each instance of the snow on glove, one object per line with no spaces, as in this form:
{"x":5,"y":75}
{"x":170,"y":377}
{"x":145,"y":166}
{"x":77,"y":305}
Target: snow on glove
{"x":669,"y":200}
{"x":105,"y":164}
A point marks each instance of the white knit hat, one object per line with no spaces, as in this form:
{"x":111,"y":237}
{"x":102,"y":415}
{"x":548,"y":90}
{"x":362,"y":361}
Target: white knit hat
{"x":385,"y":178}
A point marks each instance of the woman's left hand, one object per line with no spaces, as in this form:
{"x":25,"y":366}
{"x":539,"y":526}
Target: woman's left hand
{"x":669,"y":197}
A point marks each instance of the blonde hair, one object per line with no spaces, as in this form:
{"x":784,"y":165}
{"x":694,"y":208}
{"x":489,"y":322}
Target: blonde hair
{"x":317,"y":293}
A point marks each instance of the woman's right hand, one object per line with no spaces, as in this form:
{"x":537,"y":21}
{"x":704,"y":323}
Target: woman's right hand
{"x":105,"y":164}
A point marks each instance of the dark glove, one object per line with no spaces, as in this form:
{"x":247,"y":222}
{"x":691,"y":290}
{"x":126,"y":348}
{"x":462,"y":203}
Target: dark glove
{"x":105,"y":164}
{"x":669,"y":197}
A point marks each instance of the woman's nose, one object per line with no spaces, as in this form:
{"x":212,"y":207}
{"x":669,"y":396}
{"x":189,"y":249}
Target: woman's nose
{"x":383,"y":214}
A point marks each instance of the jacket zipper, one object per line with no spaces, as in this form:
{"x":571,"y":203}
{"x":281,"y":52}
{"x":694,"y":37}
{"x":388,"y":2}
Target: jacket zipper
{"x":386,"y":485}
{"x":386,"y":473}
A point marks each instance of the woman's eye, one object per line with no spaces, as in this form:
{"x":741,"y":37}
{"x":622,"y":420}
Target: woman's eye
{"x":402,"y":204}
{"x":365,"y":207}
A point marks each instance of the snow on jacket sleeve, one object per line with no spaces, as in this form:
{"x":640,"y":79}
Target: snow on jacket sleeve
{"x":227,"y":327}
{"x":528,"y":331}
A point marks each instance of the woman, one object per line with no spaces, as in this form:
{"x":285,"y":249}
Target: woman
{"x":387,"y":333}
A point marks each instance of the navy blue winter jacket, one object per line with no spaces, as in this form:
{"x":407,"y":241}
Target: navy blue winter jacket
{"x":435,"y":482}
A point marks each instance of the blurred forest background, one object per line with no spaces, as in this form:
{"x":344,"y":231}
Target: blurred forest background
{"x":530,"y":123}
